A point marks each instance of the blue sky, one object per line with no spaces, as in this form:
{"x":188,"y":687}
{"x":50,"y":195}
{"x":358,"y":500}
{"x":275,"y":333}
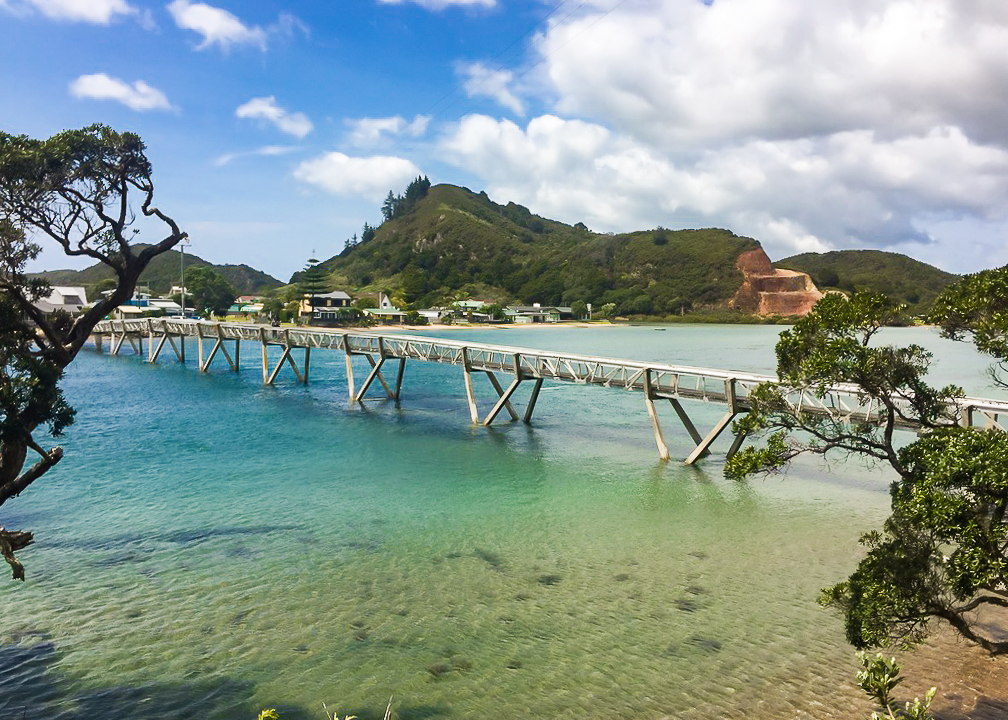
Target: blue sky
{"x":275,"y":129}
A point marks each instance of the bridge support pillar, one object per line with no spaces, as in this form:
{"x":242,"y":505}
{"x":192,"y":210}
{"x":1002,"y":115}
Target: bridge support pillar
{"x":376,"y":373}
{"x":702,"y":447}
{"x":663,"y":451}
{"x":532,"y":401}
{"x":286,"y":357}
{"x":503,"y":396}
{"x":349,"y":368}
{"x":467,"y":379}
{"x":399,"y":378}
{"x":219,"y":345}
{"x":504,"y":399}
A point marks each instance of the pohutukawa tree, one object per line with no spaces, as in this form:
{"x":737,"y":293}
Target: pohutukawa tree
{"x":942,"y":555}
{"x":88,"y":191}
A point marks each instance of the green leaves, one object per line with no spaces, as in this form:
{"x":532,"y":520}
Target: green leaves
{"x":209,"y":290}
{"x":879,"y":677}
{"x":977,"y":307}
{"x":942,"y":551}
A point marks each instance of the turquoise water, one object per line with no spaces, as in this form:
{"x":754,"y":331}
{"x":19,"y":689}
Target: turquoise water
{"x":209,"y":547}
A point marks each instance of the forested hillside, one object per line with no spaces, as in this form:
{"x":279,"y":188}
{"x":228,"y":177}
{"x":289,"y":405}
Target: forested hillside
{"x":907,"y":280}
{"x":165,"y":271}
{"x":448,"y":241}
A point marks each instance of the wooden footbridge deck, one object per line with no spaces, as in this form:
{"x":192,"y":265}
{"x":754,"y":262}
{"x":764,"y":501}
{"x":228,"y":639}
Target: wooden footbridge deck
{"x":655,"y":381}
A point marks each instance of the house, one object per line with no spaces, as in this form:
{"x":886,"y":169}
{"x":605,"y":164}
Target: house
{"x":168,"y":307}
{"x":535,"y":313}
{"x":433,"y":315}
{"x":68,"y":299}
{"x":246,"y":305}
{"x":386,"y":312}
{"x":469,"y":310}
{"x":142,"y":303}
{"x":325,"y":306}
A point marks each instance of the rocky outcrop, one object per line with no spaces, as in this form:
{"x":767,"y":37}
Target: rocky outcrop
{"x":769,"y":291}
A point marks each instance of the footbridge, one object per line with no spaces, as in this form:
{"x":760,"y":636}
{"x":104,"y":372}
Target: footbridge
{"x":655,"y":381}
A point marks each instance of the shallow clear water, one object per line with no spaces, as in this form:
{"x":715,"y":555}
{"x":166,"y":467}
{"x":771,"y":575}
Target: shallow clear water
{"x":210,"y":546}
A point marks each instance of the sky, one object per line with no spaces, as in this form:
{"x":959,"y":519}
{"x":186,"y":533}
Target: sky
{"x":276,"y":128}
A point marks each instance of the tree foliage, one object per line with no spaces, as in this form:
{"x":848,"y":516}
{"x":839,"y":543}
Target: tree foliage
{"x":941,"y":554}
{"x":900,"y":277}
{"x":398,"y":205}
{"x":977,"y":307}
{"x":878,"y":678}
{"x":209,"y":290}
{"x":162,"y":274}
{"x":464,"y":240}
{"x":84,"y":190}
{"x":313,"y":282}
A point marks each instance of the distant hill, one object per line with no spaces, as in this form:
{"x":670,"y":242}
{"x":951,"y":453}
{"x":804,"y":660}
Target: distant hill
{"x":457,"y":242}
{"x":900,"y":277}
{"x":164,"y":271}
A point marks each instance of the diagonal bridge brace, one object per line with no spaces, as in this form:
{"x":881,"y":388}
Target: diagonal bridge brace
{"x":503,"y":396}
{"x":357,"y":396}
{"x":286,"y":357}
{"x":154,"y":349}
{"x":702,"y":444}
{"x":219,"y":345}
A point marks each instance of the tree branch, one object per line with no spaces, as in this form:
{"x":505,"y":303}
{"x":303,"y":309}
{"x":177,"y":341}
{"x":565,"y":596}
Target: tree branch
{"x":10,"y":542}
{"x":17,"y":486}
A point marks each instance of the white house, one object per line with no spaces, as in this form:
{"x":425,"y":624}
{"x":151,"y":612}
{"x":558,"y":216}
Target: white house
{"x":69,"y":299}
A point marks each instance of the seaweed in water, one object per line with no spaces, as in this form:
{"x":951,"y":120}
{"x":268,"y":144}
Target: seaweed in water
{"x":705,"y":643}
{"x":438,"y":670}
{"x":549,"y":579}
{"x":687,"y":604}
{"x":490,"y":558}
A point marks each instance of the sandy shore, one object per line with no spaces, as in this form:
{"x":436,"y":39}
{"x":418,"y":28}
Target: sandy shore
{"x":971,"y":684}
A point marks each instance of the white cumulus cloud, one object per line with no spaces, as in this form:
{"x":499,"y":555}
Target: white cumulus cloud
{"x":794,"y":195}
{"x":369,"y":177}
{"x":678,"y":72}
{"x":138,"y":96}
{"x":265,"y":108}
{"x":810,"y":126}
{"x":371,"y":131}
{"x":216,"y":25}
{"x":265,"y":151}
{"x":481,"y":81}
{"x":98,"y":12}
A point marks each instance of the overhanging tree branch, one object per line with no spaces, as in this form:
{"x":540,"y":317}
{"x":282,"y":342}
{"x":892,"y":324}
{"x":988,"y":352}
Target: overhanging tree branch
{"x":78,"y":189}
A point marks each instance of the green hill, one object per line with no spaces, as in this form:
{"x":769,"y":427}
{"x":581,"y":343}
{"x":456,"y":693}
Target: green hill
{"x":163,"y":272}
{"x":902,"y":278}
{"x":455,"y":242}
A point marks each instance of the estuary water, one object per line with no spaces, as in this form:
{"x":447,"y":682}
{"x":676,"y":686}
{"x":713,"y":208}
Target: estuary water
{"x":209,"y":547}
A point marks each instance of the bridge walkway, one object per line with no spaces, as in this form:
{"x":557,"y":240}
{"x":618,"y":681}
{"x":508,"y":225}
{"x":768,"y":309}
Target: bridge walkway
{"x":655,"y":381}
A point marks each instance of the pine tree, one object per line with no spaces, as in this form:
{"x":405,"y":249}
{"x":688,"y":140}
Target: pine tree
{"x":313,"y":282}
